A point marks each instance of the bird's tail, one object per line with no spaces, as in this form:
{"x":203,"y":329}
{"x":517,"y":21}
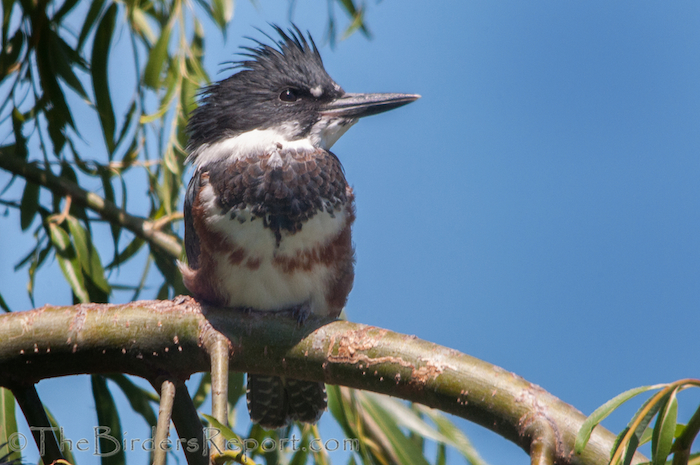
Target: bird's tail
{"x":274,"y":402}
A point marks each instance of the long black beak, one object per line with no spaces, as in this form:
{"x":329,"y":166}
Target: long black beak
{"x":360,"y":105}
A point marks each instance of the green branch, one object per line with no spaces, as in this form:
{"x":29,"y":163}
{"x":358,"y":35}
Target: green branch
{"x":169,"y":338}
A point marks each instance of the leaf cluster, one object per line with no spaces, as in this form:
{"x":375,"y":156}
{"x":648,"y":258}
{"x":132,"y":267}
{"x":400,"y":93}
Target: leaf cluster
{"x":667,"y":436}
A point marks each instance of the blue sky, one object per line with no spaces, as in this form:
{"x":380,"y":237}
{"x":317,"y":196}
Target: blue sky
{"x":538,"y":208}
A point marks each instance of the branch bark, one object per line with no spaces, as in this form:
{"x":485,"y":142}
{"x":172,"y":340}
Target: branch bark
{"x":141,"y":227}
{"x":168,"y":339}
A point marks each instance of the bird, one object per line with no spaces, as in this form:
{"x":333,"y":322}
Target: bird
{"x":268,"y":211}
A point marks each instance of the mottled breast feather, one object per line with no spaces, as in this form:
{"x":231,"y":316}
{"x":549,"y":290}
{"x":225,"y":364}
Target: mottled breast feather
{"x":271,"y":232}
{"x":284,"y":188}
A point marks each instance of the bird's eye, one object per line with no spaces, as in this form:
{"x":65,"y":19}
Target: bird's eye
{"x":289,"y":95}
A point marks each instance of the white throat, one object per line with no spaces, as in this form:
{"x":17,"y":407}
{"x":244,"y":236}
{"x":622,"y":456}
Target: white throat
{"x":328,"y":130}
{"x":323,"y":135}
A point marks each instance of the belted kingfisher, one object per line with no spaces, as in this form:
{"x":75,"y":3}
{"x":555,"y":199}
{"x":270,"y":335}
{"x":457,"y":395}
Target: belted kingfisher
{"x":268,"y":211}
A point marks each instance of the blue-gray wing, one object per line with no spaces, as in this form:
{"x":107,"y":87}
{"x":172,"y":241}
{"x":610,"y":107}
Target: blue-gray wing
{"x":192,"y":247}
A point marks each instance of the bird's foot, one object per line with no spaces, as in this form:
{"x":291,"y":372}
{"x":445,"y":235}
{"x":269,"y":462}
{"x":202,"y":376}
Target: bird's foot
{"x":301,"y":313}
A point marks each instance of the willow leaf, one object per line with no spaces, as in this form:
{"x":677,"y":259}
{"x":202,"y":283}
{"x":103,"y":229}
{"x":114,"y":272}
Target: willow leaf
{"x":29,"y":205}
{"x":664,"y":430}
{"x":8,"y":427}
{"x":100,"y":76}
{"x":110,"y":431}
{"x":156,"y":59}
{"x":90,"y":18}
{"x":602,"y":412}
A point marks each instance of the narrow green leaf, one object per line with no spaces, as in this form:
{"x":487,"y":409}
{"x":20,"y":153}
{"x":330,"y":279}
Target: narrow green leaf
{"x":90,"y":18}
{"x":80,"y":241}
{"x":602,"y":412}
{"x":357,"y":15}
{"x":59,"y":237}
{"x":57,"y":123}
{"x":27,"y":258}
{"x":10,"y":52}
{"x":68,"y":172}
{"x":142,"y":282}
{"x":57,"y":428}
{"x":3,"y":305}
{"x":114,"y":227}
{"x":195,"y":67}
{"x":129,"y":121}
{"x":188,"y":96}
{"x":20,"y":140}
{"x":441,"y":458}
{"x":100,"y":76}
{"x":348,"y":6}
{"x":74,"y":55}
{"x":456,"y":436}
{"x":393,"y":439}
{"x":88,"y":256}
{"x":165,"y":189}
{"x":225,"y":431}
{"x":8,"y":427}
{"x":618,"y":441}
{"x":139,"y":22}
{"x":7,"y":6}
{"x":404,"y":416}
{"x":73,"y":274}
{"x":331,"y":33}
{"x":96,"y":272}
{"x":110,"y":431}
{"x":664,"y":430}
{"x":222,"y":12}
{"x":335,"y":406}
{"x":156,"y":59}
{"x":346,"y":410}
{"x":631,"y":447}
{"x":141,"y":400}
{"x":61,"y":64}
{"x":29,"y":205}
{"x":128,"y":159}
{"x":58,"y":114}
{"x":8,"y":151}
{"x":64,"y":10}
{"x":301,"y":455}
{"x":174,"y":165}
{"x":646,"y":437}
{"x":128,"y":252}
{"x":358,"y":22}
{"x":38,"y":258}
{"x":172,"y":81}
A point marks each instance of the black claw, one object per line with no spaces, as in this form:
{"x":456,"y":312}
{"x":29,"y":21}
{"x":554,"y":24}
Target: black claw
{"x":301,"y":313}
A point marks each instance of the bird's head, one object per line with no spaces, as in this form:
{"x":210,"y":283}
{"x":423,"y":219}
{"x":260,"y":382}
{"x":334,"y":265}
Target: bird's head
{"x":282,"y":92}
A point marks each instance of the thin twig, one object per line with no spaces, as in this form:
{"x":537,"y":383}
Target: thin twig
{"x":218,"y":347}
{"x":167,"y":396}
